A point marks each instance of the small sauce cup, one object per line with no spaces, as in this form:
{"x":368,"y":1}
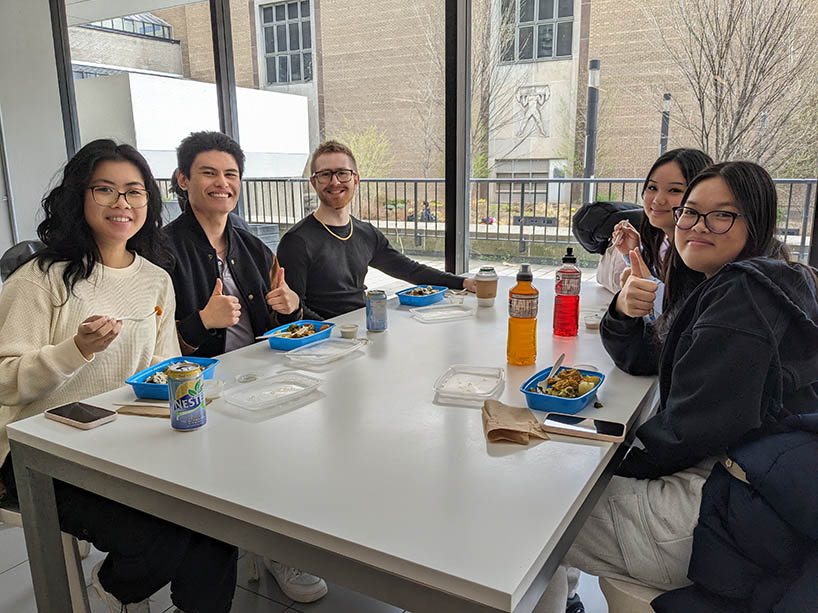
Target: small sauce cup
{"x":349,"y":330}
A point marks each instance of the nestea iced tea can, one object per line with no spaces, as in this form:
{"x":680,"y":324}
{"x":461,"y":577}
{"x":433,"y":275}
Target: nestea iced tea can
{"x":376,"y":310}
{"x":186,"y":396}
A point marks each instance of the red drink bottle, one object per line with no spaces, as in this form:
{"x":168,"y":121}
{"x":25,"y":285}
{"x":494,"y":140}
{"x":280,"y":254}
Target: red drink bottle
{"x":566,"y":299}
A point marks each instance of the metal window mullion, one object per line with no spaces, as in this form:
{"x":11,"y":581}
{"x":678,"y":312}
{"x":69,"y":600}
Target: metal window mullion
{"x":457,"y":113}
{"x":65,"y":78}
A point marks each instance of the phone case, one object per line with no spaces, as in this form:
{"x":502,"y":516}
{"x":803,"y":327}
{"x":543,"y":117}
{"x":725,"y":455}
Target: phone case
{"x":596,"y":436}
{"x":78,"y":424}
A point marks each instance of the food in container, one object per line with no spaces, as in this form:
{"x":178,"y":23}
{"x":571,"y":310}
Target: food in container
{"x":544,"y":401}
{"x":422,"y":295}
{"x":317,"y":330}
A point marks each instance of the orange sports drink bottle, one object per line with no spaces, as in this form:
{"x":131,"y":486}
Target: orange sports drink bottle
{"x":523,"y":304}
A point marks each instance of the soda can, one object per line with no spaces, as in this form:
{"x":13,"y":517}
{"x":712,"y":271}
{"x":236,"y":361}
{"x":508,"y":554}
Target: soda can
{"x":186,"y":396}
{"x":376,"y":310}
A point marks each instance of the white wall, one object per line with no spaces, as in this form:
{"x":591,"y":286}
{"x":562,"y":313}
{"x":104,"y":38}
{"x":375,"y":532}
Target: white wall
{"x":104,"y":109}
{"x":30,"y":103}
{"x":155,"y":113}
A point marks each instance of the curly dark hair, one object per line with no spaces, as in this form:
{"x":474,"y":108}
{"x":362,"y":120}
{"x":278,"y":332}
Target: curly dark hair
{"x":691,"y":162}
{"x":66,"y":233}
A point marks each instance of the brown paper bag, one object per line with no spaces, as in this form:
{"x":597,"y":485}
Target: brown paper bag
{"x":503,"y":422}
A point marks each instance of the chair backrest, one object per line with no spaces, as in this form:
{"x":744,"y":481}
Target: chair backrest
{"x":18,"y":255}
{"x":594,"y":222}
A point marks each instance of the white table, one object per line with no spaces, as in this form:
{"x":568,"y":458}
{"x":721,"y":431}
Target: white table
{"x":369,"y":484}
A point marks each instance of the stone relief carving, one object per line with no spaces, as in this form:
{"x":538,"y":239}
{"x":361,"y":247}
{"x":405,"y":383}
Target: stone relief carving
{"x":532,"y":101}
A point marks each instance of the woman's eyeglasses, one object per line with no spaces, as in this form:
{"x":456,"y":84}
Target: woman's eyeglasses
{"x":718,"y":222}
{"x":108,"y":196}
{"x":344,"y":175}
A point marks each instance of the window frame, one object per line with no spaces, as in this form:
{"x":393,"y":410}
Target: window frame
{"x":507,"y":25}
{"x":276,"y":52}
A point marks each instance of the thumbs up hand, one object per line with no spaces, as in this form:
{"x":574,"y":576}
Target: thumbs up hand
{"x":282,"y":299}
{"x":638,"y":293}
{"x":220,"y":311}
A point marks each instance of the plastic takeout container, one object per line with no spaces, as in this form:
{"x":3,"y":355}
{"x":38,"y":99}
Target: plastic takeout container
{"x":543,"y":402}
{"x":405,"y":298}
{"x":438,"y":313}
{"x":466,"y":383}
{"x":324,"y":351}
{"x":159,"y":391}
{"x":285,"y":344}
{"x":270,"y":392}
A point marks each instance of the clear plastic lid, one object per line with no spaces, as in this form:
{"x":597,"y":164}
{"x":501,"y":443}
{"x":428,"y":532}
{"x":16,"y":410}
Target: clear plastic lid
{"x":271,"y":392}
{"x":323,"y":352}
{"x":471,"y":383}
{"x":437,"y":313}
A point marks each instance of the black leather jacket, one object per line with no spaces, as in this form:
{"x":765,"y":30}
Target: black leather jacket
{"x":193,"y":269}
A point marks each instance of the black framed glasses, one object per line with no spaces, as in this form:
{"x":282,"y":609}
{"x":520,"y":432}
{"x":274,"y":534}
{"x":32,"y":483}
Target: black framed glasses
{"x":718,"y":222}
{"x":108,"y":196}
{"x":344,"y":175}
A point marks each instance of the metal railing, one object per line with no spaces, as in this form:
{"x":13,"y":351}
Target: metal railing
{"x":527,"y":212}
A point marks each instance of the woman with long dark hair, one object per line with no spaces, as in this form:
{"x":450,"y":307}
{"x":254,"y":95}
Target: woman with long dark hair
{"x":662,"y":190}
{"x":738,"y":368}
{"x":62,"y":339}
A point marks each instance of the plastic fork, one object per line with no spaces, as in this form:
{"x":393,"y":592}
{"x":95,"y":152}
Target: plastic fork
{"x":157,"y":310}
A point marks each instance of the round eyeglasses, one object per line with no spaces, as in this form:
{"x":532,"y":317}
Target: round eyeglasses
{"x":344,"y":175}
{"x":718,"y":222}
{"x":108,"y":196}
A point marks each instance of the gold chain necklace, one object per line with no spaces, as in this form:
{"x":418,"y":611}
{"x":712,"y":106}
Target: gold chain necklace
{"x":340,"y":238}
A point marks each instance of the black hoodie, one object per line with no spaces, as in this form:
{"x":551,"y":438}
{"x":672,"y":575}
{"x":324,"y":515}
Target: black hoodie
{"x":742,"y":354}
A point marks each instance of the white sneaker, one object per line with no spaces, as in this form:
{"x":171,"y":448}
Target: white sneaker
{"x":110,"y":601}
{"x":296,"y":584}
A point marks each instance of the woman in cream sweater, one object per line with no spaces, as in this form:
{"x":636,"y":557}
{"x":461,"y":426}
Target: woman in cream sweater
{"x":61,"y":340}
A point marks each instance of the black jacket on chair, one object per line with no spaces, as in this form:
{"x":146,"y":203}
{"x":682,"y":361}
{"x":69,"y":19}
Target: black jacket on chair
{"x":193,"y":269}
{"x":755,"y":548}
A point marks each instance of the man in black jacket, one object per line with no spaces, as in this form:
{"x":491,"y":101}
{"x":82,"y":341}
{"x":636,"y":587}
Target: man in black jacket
{"x":222,"y":275}
{"x":221,"y":272}
{"x":329,"y":252}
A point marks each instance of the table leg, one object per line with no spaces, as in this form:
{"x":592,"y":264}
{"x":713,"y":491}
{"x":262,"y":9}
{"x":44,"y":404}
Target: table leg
{"x":38,"y":506}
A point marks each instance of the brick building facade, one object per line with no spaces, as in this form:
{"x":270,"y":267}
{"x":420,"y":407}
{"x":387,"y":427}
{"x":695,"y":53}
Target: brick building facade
{"x":383,"y":66}
{"x":635,"y":73}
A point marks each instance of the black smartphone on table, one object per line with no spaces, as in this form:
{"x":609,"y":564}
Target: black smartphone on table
{"x":81,"y":415}
{"x":584,"y":427}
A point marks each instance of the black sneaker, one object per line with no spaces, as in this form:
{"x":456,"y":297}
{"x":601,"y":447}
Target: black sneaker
{"x":574,"y":605}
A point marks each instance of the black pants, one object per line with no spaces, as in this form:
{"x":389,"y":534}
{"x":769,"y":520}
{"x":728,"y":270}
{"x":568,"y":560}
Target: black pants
{"x":146,"y":553}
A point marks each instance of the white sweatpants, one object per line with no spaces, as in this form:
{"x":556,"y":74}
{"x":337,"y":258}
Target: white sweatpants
{"x":641,"y":531}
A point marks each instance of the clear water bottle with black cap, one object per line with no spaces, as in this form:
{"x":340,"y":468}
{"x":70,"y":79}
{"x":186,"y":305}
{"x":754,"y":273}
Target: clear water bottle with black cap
{"x":566,"y":298}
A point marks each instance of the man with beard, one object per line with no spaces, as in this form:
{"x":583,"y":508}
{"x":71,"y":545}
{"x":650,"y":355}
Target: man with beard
{"x":327,"y":253}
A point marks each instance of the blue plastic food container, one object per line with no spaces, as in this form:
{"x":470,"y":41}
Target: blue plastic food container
{"x":405,"y":298}
{"x":285,"y":344}
{"x":544,"y":402}
{"x":159,"y":391}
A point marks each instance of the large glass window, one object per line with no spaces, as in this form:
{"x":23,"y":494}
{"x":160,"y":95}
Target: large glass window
{"x":287,"y":42}
{"x":536,"y":29}
{"x":143,"y":24}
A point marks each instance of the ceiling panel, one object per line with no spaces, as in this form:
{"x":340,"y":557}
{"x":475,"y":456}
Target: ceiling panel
{"x":85,"y":11}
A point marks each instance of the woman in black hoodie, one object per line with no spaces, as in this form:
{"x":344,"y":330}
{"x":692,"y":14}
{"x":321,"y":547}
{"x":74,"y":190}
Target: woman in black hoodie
{"x":738,"y":360}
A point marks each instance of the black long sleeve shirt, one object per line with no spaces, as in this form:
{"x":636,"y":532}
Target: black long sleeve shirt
{"x":328,"y":273}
